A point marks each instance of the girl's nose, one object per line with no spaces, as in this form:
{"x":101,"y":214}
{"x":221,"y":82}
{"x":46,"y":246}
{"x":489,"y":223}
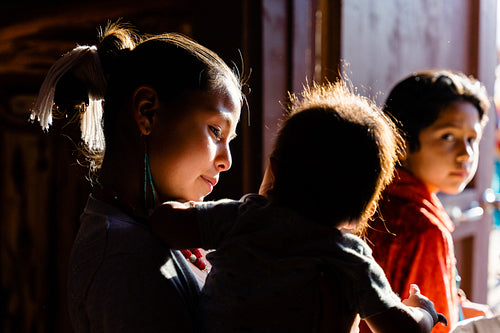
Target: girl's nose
{"x":466,"y":152}
{"x":224,"y":160}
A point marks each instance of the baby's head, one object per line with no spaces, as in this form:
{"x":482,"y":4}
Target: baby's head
{"x":442,"y":115}
{"x":334,"y":154}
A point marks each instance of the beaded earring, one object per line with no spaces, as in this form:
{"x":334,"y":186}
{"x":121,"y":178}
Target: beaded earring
{"x":148,"y":180}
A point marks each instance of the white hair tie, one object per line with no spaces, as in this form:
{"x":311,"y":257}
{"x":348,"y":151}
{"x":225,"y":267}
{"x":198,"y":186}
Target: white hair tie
{"x":85,"y":63}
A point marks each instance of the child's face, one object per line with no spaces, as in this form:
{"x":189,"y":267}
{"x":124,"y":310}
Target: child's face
{"x":187,"y":153}
{"x":449,"y":149}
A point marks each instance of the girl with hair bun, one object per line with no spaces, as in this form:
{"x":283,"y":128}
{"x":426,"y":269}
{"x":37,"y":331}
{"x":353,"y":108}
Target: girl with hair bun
{"x":156,"y":115}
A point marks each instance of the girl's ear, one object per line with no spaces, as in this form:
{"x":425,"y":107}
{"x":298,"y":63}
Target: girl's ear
{"x":145,"y":104}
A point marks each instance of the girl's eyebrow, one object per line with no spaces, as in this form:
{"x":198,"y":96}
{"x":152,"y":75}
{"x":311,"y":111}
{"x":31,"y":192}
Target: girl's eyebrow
{"x":450,"y":125}
{"x":227,"y":121}
{"x":226,"y":118}
{"x":447,"y":126}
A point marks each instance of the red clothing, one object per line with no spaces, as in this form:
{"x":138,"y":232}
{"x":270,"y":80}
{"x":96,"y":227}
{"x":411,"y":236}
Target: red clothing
{"x":415,"y":245}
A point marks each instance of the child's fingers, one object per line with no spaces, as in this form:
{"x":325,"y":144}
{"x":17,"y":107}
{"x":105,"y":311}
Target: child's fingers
{"x":424,"y":303}
{"x":414,"y":289}
{"x":442,"y":319}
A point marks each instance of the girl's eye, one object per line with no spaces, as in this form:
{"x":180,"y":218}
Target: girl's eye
{"x":216,"y":132}
{"x":471,"y":140}
{"x":448,"y":137}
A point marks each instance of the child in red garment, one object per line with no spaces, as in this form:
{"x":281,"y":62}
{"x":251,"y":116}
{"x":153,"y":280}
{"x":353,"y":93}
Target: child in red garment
{"x":442,"y":115}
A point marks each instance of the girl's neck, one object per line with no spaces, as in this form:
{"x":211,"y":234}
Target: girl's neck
{"x":430,"y":188}
{"x":122,"y":180}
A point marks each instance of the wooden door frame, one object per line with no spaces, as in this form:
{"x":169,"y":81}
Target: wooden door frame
{"x":288,"y":59}
{"x":472,"y":238}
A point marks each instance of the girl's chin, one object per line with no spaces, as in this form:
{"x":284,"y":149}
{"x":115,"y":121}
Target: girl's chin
{"x":200,"y":197}
{"x":454,"y":190}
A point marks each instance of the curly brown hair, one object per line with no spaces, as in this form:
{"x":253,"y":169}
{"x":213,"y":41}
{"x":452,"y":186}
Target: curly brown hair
{"x":335,"y":152}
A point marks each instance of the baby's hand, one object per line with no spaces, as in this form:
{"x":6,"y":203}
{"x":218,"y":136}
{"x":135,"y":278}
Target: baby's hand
{"x":180,"y":204}
{"x":418,"y":300}
{"x":175,"y":223}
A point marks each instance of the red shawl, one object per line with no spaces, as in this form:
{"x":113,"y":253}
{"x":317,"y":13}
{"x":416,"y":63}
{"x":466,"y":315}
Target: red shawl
{"x":411,"y":240}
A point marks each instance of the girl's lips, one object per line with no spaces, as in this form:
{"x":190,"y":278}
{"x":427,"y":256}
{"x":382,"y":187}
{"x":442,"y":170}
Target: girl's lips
{"x":210,"y":181}
{"x":463,"y":174}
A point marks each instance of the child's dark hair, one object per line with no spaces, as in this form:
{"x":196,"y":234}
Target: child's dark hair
{"x":417,"y":101}
{"x":334,"y":154}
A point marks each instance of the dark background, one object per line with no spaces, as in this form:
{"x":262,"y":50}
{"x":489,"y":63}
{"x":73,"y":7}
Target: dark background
{"x":43,"y":187}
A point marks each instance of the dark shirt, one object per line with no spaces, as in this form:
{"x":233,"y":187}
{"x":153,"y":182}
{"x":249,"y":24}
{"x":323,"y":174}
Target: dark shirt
{"x":122,"y":279}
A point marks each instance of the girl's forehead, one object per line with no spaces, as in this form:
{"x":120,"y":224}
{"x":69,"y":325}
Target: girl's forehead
{"x":203,"y":98}
{"x":226,"y":101}
{"x":458,"y":112}
{"x":203,"y":104}
{"x":462,"y":116}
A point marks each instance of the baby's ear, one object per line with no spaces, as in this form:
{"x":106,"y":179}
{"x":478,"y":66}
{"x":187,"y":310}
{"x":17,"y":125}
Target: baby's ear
{"x":273,"y":164}
{"x":372,"y":208}
{"x":403,"y":153}
{"x":269,"y":176}
{"x":145,"y":103}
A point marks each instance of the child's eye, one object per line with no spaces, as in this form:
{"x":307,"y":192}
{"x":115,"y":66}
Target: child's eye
{"x":216,"y":132}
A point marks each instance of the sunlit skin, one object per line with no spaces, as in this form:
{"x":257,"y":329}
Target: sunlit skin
{"x":187,"y":153}
{"x":449,"y":149}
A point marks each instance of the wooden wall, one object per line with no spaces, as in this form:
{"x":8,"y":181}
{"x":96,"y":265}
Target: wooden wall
{"x":281,"y":42}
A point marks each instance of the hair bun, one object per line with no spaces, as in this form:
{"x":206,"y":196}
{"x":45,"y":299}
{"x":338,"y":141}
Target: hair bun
{"x":116,"y":41}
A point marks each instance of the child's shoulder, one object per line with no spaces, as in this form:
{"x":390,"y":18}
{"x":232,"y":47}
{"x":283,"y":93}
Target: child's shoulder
{"x":254,"y":198}
{"x":250,"y":202}
{"x":352,"y":243}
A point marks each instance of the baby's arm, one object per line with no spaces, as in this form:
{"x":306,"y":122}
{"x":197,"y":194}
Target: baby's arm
{"x":194,"y":224}
{"x":415,"y":314}
{"x":176,"y":224}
